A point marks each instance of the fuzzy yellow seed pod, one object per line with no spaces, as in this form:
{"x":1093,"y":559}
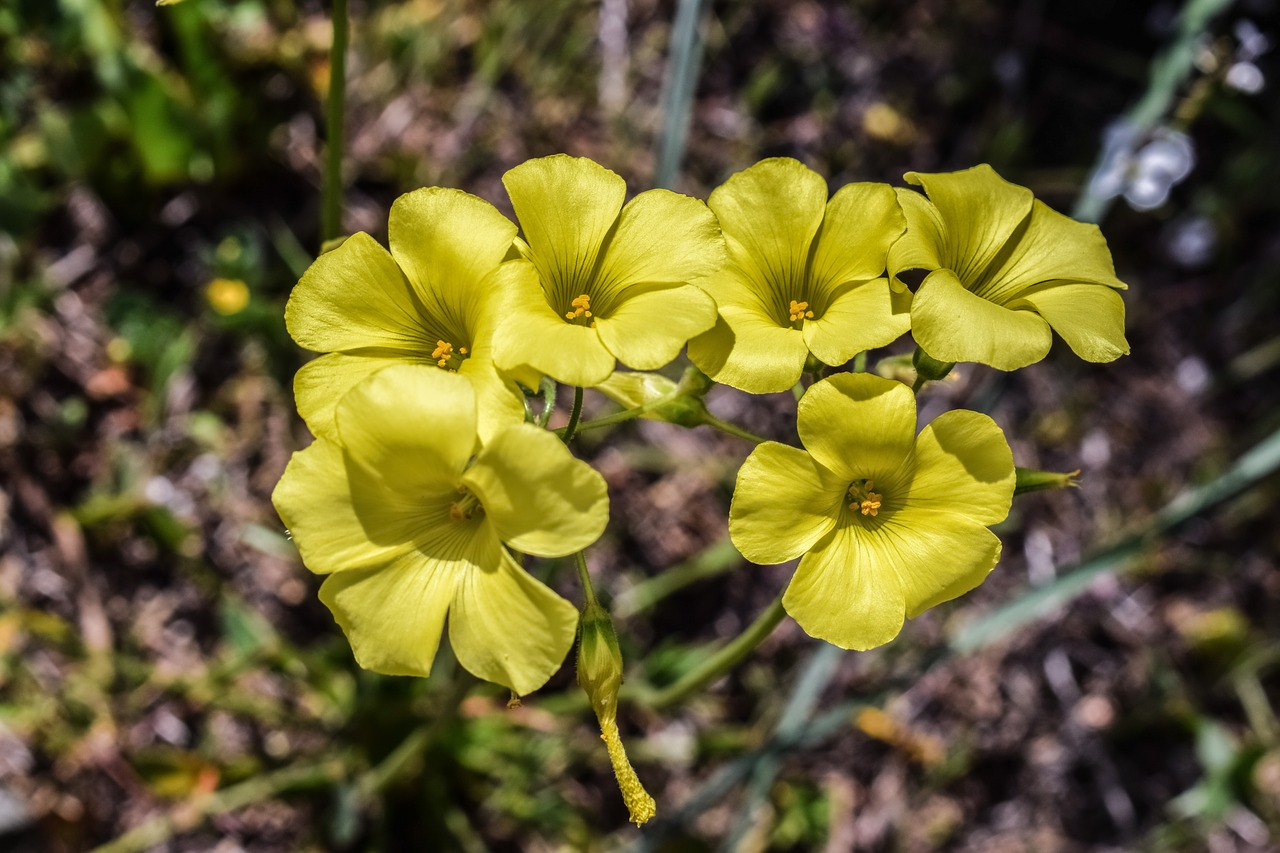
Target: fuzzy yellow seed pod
{"x":600,"y":676}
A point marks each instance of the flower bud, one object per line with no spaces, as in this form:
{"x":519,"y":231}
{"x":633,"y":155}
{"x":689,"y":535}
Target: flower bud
{"x":1031,"y":480}
{"x":929,"y":367}
{"x":600,"y":676}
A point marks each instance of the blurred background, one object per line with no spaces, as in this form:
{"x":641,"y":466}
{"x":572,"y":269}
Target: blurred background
{"x":168,"y":680}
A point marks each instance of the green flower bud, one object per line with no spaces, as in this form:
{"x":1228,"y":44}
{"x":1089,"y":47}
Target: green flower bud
{"x":1030,"y":480}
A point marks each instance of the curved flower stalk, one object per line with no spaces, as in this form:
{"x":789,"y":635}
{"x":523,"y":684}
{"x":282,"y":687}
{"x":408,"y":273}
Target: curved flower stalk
{"x":411,"y":522}
{"x":1004,"y":269}
{"x":428,"y":301}
{"x":889,"y":524}
{"x":603,"y":283}
{"x":805,"y":275}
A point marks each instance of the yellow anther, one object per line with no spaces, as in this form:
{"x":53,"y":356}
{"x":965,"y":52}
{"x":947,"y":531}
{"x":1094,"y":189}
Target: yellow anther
{"x":581,"y":308}
{"x":447,"y":357}
{"x":863,"y":499}
{"x":799,"y":311}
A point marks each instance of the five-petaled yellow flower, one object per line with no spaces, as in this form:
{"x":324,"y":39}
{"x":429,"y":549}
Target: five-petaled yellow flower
{"x":889,"y":524}
{"x":1004,"y":269}
{"x":411,"y":521}
{"x":429,"y":301}
{"x":603,"y":283}
{"x":805,"y":275}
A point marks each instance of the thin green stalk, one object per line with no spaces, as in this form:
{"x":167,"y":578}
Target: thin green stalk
{"x":574,"y":416}
{"x":719,"y":663}
{"x":733,"y":429}
{"x":334,"y":134}
{"x":618,"y":417}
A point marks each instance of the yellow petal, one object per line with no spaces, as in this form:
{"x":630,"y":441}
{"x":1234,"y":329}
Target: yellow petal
{"x":354,"y":297}
{"x":858,"y":318}
{"x":317,"y":501}
{"x":412,"y":428}
{"x":322,"y":382}
{"x":447,"y":241}
{"x":749,"y":351}
{"x":393,"y":615}
{"x":567,"y":207}
{"x":647,"y":330}
{"x":859,"y":426}
{"x":862,"y":220}
{"x":981,"y":211}
{"x":662,"y":238}
{"x":783,"y":502}
{"x":952,"y":324}
{"x":937,"y":555}
{"x":532,"y":336}
{"x":1053,"y":247}
{"x":770,"y":214}
{"x":1089,"y":317}
{"x":963,"y":466}
{"x":846,"y":591}
{"x":921,"y":246}
{"x":539,"y":498}
{"x":508,"y":628}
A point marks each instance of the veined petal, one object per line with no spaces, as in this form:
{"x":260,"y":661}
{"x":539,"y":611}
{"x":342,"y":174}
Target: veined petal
{"x":498,"y":400}
{"x":646,"y":330}
{"x":533,"y":337}
{"x":749,"y":351}
{"x":316,"y":500}
{"x":859,"y":318}
{"x":862,"y":220}
{"x":770,"y":213}
{"x":662,"y":238}
{"x":846,"y":591}
{"x":937,"y":555}
{"x":963,"y":466}
{"x":393,"y":616}
{"x":1089,"y":317}
{"x":1053,"y":247}
{"x":447,"y":241}
{"x":539,"y":498}
{"x":508,"y":628}
{"x":783,"y":503}
{"x":412,"y":428}
{"x":921,"y":246}
{"x":952,"y":324}
{"x":981,"y":211}
{"x":858,"y":425}
{"x":567,"y":207}
{"x":354,"y":297}
{"x":322,"y":382}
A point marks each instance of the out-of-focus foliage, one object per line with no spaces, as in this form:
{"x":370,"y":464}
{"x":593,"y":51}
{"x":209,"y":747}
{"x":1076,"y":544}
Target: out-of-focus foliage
{"x":167,"y":678}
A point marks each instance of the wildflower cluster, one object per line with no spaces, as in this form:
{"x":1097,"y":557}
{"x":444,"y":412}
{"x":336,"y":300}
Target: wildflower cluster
{"x":431,"y":479}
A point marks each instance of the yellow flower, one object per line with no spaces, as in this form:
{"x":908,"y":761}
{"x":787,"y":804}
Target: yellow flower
{"x":889,"y":524}
{"x":603,"y":283}
{"x":1004,"y":269}
{"x":805,"y":275}
{"x":408,"y":518}
{"x":428,"y":301}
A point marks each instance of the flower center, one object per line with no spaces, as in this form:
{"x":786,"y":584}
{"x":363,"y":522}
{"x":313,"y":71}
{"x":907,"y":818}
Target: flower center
{"x":799,"y":312}
{"x":581,"y":313}
{"x":447,"y":357}
{"x":466,"y":506}
{"x":863,"y":499}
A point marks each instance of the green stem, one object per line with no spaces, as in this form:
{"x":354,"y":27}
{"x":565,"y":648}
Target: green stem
{"x":588,"y":591}
{"x":918,"y":384}
{"x":574,"y":415}
{"x":733,"y":429}
{"x":719,"y":663}
{"x":332,"y":224}
{"x":618,"y":417}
